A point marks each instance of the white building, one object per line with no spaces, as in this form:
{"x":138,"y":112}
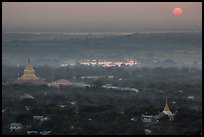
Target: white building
{"x":147,"y":118}
{"x":40,"y":118}
{"x":32,"y":132}
{"x":60,"y":82}
{"x":15,"y":127}
{"x":45,"y":132}
{"x":148,"y":131}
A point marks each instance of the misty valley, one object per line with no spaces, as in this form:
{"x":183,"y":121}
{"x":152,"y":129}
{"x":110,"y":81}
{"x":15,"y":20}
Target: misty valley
{"x":150,"y":49}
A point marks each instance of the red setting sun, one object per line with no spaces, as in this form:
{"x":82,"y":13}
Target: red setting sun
{"x":177,"y":11}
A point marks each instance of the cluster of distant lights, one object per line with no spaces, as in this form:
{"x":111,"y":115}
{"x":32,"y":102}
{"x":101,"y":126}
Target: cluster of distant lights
{"x":108,"y":63}
{"x":128,"y":62}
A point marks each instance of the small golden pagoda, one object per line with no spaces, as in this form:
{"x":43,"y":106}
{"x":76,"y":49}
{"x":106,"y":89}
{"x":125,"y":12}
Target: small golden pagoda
{"x":29,"y":76}
{"x":167,"y":111}
{"x":166,"y":107}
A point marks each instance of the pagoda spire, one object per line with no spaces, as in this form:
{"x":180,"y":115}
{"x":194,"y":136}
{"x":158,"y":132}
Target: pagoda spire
{"x":166,"y":108}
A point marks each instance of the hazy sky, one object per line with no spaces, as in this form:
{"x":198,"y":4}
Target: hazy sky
{"x":100,"y":16}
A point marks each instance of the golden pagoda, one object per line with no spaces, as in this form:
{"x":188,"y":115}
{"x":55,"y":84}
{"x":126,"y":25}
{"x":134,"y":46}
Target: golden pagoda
{"x":29,"y":75}
{"x":166,"y":107}
{"x":167,"y":111}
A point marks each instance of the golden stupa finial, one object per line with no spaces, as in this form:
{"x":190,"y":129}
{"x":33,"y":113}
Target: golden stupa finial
{"x":166,"y":108}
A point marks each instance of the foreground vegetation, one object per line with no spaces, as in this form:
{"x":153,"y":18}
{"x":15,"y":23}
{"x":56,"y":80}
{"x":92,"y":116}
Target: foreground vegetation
{"x":96,"y":110}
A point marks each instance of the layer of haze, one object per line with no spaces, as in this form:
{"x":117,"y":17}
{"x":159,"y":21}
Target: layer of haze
{"x":100,"y":16}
